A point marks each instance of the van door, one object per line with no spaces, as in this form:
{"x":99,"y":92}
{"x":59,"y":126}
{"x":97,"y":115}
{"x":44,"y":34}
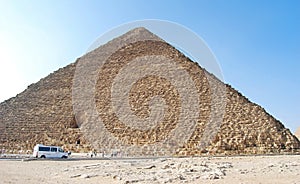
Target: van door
{"x":44,"y":151}
{"x":53,"y":152}
{"x":61,"y":152}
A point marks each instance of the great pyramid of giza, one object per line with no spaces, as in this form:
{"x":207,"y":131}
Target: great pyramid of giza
{"x":82,"y":108}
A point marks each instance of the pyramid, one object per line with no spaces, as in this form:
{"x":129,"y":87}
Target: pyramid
{"x":139,"y":95}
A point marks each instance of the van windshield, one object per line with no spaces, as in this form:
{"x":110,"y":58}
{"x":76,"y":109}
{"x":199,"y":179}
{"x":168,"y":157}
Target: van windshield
{"x":60,"y":150}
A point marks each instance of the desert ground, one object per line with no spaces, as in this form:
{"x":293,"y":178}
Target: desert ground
{"x":238,"y":169}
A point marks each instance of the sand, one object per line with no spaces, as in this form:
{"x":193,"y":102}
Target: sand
{"x":242,"y":169}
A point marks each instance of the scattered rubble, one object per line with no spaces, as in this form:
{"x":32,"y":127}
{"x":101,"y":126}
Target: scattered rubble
{"x":183,"y":170}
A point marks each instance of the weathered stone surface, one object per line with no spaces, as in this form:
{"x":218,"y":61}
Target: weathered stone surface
{"x":43,"y":113}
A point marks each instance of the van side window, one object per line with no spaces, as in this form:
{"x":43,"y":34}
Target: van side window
{"x":53,"y":149}
{"x":60,"y":150}
{"x":44,"y":148}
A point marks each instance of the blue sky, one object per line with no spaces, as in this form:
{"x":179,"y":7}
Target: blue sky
{"x":256,"y":42}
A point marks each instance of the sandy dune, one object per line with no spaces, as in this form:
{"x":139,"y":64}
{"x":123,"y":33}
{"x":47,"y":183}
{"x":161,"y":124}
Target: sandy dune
{"x":247,"y":169}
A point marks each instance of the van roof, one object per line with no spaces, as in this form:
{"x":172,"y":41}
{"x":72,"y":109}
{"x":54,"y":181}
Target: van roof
{"x":47,"y":146}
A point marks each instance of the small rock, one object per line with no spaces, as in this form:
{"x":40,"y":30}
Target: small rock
{"x":75,"y":176}
{"x":132,"y":181}
{"x":85,"y":176}
{"x":193,"y":170}
{"x":166,"y":167}
{"x":195,"y":178}
{"x":214,"y":176}
{"x":294,"y":164}
{"x":150,"y":167}
{"x":219,"y":172}
{"x":205,"y":169}
{"x":181,"y":177}
{"x":210,"y":176}
{"x":88,"y":175}
{"x":117,"y":177}
{"x":226,"y":165}
{"x":168,"y":180}
{"x":163,"y":160}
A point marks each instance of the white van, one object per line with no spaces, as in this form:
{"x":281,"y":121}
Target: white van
{"x":42,"y":151}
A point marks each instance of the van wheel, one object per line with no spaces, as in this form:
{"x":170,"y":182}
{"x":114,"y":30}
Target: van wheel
{"x":64,"y":157}
{"x":43,"y":156}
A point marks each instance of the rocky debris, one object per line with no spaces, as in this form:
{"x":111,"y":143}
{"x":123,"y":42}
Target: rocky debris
{"x":169,"y":170}
{"x":272,"y":167}
{"x":258,"y":169}
{"x":283,"y":167}
{"x":90,"y":175}
{"x":148,"y":167}
{"x":43,"y":113}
